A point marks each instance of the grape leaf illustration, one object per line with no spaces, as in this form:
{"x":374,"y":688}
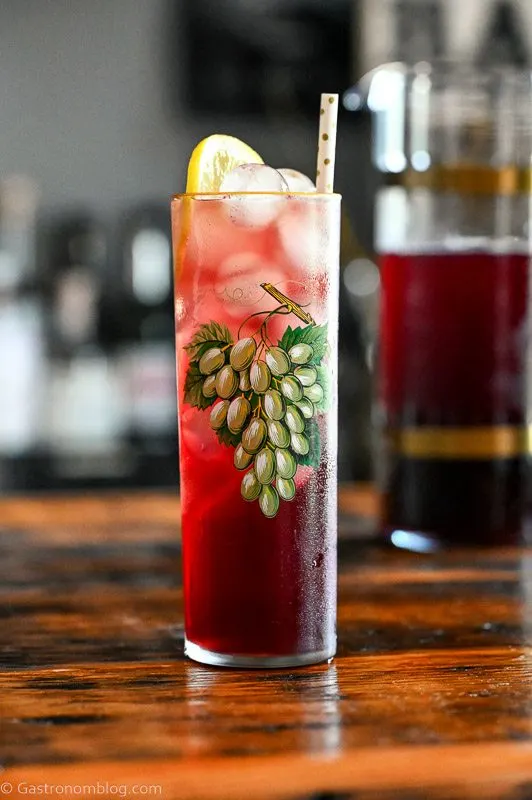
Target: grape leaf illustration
{"x":314,"y":335}
{"x":324,"y":381}
{"x":193,"y":388}
{"x":226,"y":437}
{"x":212,"y":334}
{"x":312,"y":458}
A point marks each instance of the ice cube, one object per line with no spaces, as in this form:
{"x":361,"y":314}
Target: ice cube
{"x":297,"y":181}
{"x":254,"y":211}
{"x":253,"y":178}
{"x":213,"y":238}
{"x":304,"y":237}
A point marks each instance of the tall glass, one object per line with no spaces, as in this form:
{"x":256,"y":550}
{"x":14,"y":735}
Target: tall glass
{"x":256,"y":302}
{"x":453,"y":235}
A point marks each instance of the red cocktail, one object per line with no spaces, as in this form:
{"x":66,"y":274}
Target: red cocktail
{"x":256,"y":319}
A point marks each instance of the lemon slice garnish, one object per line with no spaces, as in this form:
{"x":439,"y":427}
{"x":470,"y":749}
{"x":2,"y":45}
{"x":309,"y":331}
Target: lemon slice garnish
{"x":213,"y":158}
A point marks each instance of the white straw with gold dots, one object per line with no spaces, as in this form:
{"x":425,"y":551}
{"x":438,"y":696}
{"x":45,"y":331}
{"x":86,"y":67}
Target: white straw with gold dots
{"x":327,"y":143}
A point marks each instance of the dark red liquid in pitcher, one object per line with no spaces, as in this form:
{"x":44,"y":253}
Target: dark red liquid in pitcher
{"x":453,"y":355}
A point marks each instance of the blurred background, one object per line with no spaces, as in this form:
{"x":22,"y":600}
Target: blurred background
{"x":102,"y":104}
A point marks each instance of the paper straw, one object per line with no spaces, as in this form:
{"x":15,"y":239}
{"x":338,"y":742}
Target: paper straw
{"x":327,"y":143}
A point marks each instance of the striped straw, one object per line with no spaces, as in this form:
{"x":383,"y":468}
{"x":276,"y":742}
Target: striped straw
{"x":327,"y":143}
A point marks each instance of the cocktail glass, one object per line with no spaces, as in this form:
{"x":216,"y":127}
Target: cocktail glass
{"x":256,"y":302}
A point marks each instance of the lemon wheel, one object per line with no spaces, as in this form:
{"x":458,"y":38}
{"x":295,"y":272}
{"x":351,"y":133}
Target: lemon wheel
{"x":213,"y":158}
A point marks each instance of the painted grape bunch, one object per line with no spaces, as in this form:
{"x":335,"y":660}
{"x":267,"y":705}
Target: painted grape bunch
{"x":264,"y":399}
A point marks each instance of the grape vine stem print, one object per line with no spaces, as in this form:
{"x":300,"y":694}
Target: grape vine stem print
{"x":264,"y":398}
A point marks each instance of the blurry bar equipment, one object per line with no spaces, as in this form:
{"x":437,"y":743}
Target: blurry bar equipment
{"x":85,"y":409}
{"x":21,"y":333}
{"x":109,"y":385}
{"x":506,"y":40}
{"x":359,"y":290}
{"x":147,"y":355}
{"x":453,"y":236}
{"x":484,"y":32}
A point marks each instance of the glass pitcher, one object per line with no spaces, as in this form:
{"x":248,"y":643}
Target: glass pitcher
{"x":453,"y":236}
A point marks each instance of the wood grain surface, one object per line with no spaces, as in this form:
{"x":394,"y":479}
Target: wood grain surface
{"x":430,"y":695}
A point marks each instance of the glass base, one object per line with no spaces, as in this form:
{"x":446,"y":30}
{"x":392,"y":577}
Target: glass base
{"x":197,"y":653}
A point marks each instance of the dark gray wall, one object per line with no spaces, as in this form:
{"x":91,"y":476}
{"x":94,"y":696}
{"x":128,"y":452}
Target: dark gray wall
{"x":84,"y":107}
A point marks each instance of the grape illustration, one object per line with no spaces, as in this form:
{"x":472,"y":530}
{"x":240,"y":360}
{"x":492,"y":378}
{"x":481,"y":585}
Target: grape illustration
{"x":209,"y":386}
{"x":278,"y":361}
{"x":314,"y":393}
{"x":274,"y":405}
{"x":269,"y":501}
{"x":301,"y":353}
{"x":300,"y":443}
{"x":306,"y":407}
{"x":294,"y":419}
{"x":286,"y":488}
{"x":226,"y":382}
{"x":242,"y":354}
{"x":242,"y":459}
{"x":239,"y":411}
{"x":250,"y":488}
{"x":285,"y":463}
{"x":291,"y":388}
{"x":211,"y":361}
{"x":219,"y":415}
{"x":263,"y":396}
{"x":244,"y":384}
{"x":254,"y":436}
{"x":265,"y":465}
{"x":306,"y":375}
{"x":260,"y":377}
{"x":278,"y":434}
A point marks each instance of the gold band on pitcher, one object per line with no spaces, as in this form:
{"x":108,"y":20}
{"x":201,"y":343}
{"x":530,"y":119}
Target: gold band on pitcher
{"x":473,"y":179}
{"x":480,"y":443}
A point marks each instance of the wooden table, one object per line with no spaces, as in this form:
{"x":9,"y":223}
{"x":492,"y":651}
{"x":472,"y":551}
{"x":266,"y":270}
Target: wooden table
{"x":429,"y":697}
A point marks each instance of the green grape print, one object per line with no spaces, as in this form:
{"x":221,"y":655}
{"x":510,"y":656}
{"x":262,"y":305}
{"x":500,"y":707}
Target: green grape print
{"x":264,"y":398}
